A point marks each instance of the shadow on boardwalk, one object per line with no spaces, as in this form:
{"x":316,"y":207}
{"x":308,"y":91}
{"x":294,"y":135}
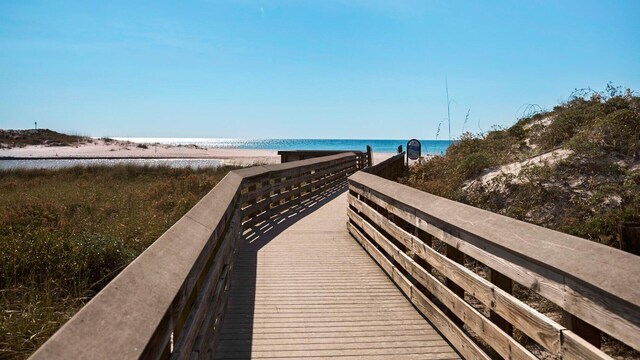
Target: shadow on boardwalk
{"x":242,"y":298}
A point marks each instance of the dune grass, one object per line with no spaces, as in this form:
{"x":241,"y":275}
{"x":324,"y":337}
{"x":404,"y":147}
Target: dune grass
{"x":64,"y":234}
{"x":588,"y":194}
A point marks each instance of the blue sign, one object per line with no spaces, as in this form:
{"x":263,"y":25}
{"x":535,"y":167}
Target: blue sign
{"x":413,"y":149}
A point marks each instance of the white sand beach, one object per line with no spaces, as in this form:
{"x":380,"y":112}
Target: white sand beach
{"x":100,"y":148}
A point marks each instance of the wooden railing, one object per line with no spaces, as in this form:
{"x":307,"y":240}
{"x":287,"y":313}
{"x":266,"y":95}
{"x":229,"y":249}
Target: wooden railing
{"x":363,"y":158}
{"x":391,"y":168}
{"x":457,"y":265}
{"x":170,"y":301}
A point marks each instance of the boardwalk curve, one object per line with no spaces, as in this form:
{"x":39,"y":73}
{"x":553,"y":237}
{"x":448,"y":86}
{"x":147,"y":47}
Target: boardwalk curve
{"x":303,"y":288}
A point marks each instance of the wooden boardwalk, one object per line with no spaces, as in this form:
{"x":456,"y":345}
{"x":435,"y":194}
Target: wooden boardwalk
{"x":302,"y":287}
{"x":305,"y":283}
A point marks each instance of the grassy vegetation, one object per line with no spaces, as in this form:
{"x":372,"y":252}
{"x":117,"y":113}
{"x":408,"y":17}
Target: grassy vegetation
{"x":21,"y":138}
{"x":64,"y":234}
{"x":586,"y":194}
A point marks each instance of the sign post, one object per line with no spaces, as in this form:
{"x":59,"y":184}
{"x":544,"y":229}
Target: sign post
{"x":413,"y":150}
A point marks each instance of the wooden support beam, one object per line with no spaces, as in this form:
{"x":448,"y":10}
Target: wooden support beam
{"x":506,"y":284}
{"x":582,"y":329}
{"x":457,"y":256}
{"x":428,"y":240}
{"x":630,"y":237}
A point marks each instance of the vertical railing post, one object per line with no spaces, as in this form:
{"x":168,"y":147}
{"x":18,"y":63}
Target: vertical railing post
{"x":457,"y":256}
{"x":582,"y":329}
{"x":629,"y":237}
{"x":369,"y":156}
{"x":427,"y":239}
{"x":506,"y":284}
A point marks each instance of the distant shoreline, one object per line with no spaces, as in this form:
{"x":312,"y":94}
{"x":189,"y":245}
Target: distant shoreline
{"x":44,"y":144}
{"x":117,"y":150}
{"x":108,"y":158}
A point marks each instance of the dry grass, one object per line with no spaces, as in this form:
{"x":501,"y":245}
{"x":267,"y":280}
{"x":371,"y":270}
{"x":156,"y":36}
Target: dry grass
{"x":64,"y":234}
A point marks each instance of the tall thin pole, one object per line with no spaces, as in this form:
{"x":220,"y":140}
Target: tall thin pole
{"x":446,"y":84}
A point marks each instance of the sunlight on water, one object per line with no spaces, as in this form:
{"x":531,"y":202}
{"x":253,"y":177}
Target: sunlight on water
{"x":429,"y":147}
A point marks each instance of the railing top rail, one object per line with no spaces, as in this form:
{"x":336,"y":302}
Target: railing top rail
{"x":260,"y":170}
{"x":608,"y":269}
{"x":319,"y":151}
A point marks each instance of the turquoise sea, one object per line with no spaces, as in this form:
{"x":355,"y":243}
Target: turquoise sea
{"x":429,"y":147}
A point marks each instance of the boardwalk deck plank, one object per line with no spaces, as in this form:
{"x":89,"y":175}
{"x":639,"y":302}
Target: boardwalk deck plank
{"x":305,"y":288}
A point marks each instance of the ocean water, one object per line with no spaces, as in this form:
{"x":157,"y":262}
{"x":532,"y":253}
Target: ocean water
{"x":429,"y":147}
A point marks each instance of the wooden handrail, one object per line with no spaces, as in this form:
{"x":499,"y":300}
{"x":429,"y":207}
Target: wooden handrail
{"x":391,"y":168}
{"x":169,"y":302}
{"x":362,"y":157}
{"x":595,"y":285}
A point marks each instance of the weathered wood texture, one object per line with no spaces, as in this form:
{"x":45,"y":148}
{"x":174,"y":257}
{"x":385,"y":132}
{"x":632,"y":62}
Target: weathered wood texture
{"x":391,"y":168}
{"x":170,"y":301}
{"x":303,"y":288}
{"x":594,"y":283}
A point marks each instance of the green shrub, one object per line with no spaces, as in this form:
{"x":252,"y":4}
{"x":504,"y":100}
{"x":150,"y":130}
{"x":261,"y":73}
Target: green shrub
{"x":619,"y":132}
{"x":472,"y":165}
{"x":568,"y":120}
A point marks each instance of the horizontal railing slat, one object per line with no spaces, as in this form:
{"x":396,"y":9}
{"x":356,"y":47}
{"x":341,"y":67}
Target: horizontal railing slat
{"x":322,"y":184}
{"x":504,"y":345}
{"x":296,"y":180}
{"x":576,"y":348}
{"x":455,"y":335}
{"x":566,"y":270}
{"x":608,"y":311}
{"x":310,"y":181}
{"x":561,"y":252}
{"x":537,"y":326}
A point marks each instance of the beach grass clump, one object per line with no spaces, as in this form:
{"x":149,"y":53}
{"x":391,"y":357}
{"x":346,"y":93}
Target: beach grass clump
{"x":64,"y":234}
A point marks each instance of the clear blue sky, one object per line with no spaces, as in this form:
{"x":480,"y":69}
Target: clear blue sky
{"x":310,"y":69}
